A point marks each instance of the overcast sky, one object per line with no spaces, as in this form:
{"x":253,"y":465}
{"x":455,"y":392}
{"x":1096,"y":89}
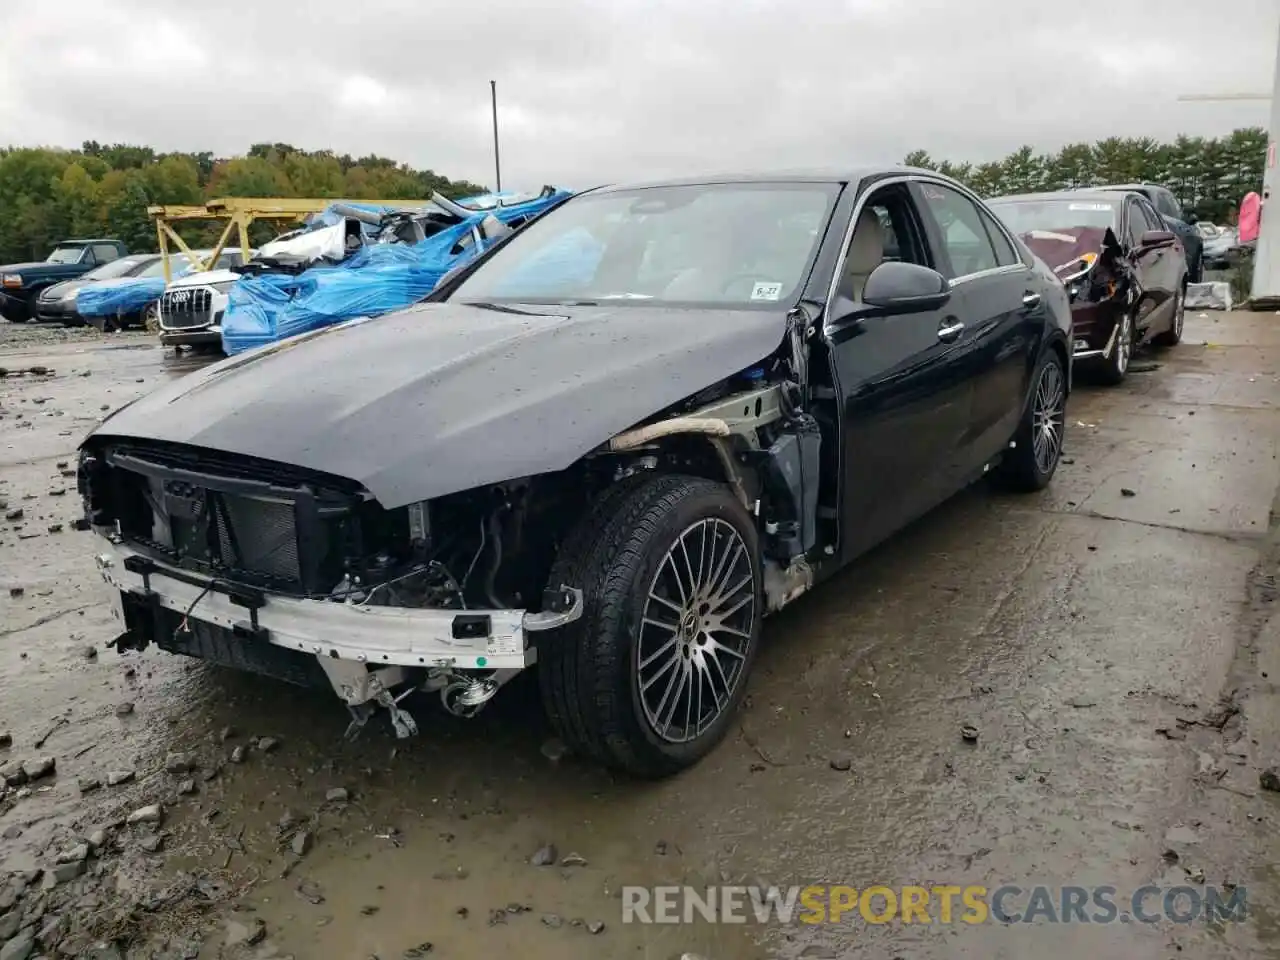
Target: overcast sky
{"x":595,"y":90}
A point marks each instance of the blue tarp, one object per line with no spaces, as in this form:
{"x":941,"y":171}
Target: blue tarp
{"x":328,"y":217}
{"x":376,"y":279}
{"x":111,"y":298}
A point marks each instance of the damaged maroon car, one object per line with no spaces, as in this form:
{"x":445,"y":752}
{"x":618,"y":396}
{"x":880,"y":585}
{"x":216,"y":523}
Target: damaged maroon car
{"x":1122,"y":267}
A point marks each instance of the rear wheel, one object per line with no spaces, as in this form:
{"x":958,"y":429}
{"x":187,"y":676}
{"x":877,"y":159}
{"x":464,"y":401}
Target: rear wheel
{"x":647,"y":681}
{"x":1037,"y":446}
{"x":1173,"y":336}
{"x":151,"y":318}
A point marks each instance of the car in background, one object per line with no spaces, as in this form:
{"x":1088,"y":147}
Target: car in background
{"x":191,"y":307}
{"x":57,"y":303}
{"x":1217,"y":249}
{"x":610,"y":445}
{"x":22,"y":283}
{"x":1167,"y":205}
{"x":1122,"y":267}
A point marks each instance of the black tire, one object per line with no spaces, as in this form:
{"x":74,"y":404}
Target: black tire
{"x":1111,"y":370}
{"x":1023,"y":469}
{"x":1173,"y":336}
{"x":589,"y":671}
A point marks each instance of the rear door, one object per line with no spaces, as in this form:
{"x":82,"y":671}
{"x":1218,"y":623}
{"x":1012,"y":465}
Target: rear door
{"x":992,"y":289}
{"x":904,"y":394}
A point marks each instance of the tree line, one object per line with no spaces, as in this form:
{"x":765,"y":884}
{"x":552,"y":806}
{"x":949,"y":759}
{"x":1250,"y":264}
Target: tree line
{"x":1209,"y":175}
{"x":47,"y":195}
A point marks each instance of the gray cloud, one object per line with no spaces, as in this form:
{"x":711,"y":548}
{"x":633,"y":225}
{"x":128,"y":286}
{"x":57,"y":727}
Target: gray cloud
{"x":593,"y":90}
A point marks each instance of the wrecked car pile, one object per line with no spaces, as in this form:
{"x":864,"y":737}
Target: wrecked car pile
{"x":364,"y":262}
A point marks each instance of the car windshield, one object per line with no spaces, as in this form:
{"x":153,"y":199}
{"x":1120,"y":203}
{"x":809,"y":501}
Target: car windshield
{"x":65,"y":255}
{"x":177,"y":263}
{"x":1026,"y":216}
{"x":726,"y":244}
{"x":122,"y":267}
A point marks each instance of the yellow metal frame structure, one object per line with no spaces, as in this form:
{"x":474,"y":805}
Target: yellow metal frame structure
{"x":239,"y":212}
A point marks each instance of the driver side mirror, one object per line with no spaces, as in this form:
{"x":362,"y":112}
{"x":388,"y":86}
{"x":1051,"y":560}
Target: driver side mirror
{"x":895,"y":288}
{"x":1157,"y":240}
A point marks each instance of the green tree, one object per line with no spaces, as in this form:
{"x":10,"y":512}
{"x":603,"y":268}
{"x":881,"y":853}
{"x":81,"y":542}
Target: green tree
{"x":1209,"y":176}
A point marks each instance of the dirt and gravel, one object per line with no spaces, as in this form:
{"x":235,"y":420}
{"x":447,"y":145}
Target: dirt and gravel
{"x":1072,"y":688}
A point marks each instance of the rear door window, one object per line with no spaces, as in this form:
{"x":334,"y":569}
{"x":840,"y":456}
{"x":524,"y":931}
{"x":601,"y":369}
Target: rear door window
{"x":1005,"y":255}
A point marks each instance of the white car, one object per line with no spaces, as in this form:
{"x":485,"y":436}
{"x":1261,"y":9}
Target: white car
{"x":191,"y":307}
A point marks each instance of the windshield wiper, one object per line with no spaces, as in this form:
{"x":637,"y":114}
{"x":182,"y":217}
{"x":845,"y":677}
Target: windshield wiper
{"x":499,"y":308}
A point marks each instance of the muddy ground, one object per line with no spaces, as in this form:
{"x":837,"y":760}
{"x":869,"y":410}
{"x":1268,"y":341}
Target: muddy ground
{"x":1111,"y":639}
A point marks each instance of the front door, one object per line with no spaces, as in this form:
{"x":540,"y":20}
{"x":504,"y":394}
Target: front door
{"x":904,"y":392}
{"x":1157,"y":269}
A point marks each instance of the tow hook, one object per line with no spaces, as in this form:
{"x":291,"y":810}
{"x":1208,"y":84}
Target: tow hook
{"x":559,"y":607}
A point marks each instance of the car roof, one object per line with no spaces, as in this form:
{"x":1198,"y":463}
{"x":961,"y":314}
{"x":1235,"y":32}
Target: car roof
{"x":64,"y":243}
{"x":1097,"y":194}
{"x":803,"y":175}
{"x":1134,"y":187}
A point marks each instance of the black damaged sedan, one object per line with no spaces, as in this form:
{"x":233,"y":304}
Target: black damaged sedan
{"x":609,"y":447}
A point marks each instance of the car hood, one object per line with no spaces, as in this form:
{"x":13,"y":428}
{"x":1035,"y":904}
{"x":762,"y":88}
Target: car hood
{"x":200,"y":279}
{"x":44,"y":268}
{"x":1062,"y":247}
{"x":445,"y":397}
{"x":58,"y":290}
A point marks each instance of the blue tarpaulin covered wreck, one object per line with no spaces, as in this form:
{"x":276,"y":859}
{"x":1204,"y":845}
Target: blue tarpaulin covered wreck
{"x":377,"y":278}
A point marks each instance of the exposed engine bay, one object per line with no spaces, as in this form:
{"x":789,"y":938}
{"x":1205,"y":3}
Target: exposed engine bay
{"x":306,"y":577}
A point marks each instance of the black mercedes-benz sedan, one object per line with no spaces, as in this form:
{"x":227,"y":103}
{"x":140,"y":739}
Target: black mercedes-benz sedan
{"x":608,"y":448}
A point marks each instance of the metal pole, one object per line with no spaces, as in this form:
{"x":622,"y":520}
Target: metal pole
{"x":497,"y":162}
{"x":1266,"y":259}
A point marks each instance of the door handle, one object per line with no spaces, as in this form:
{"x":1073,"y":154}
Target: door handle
{"x":1030,"y":299}
{"x":950,"y":332}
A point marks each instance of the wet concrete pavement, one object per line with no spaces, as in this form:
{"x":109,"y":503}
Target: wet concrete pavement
{"x":1115,"y":651}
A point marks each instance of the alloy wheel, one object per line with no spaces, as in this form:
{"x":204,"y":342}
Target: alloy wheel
{"x":696,"y":631}
{"x":1179,"y":313}
{"x":1124,"y":343}
{"x":1048,"y":413}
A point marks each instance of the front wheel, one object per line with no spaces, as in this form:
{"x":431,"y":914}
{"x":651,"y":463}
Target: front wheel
{"x":1114,"y":367}
{"x":1037,"y":446}
{"x":647,"y":681}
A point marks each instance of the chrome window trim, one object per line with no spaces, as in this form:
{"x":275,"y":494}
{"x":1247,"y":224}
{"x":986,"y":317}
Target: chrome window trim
{"x":913,"y":178}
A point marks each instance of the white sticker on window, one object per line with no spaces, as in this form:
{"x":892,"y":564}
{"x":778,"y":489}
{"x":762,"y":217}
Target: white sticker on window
{"x":766,"y":291}
{"x":1090,"y":206}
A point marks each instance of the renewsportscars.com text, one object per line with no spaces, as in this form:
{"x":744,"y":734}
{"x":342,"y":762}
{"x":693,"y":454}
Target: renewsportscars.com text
{"x":878,"y":904}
